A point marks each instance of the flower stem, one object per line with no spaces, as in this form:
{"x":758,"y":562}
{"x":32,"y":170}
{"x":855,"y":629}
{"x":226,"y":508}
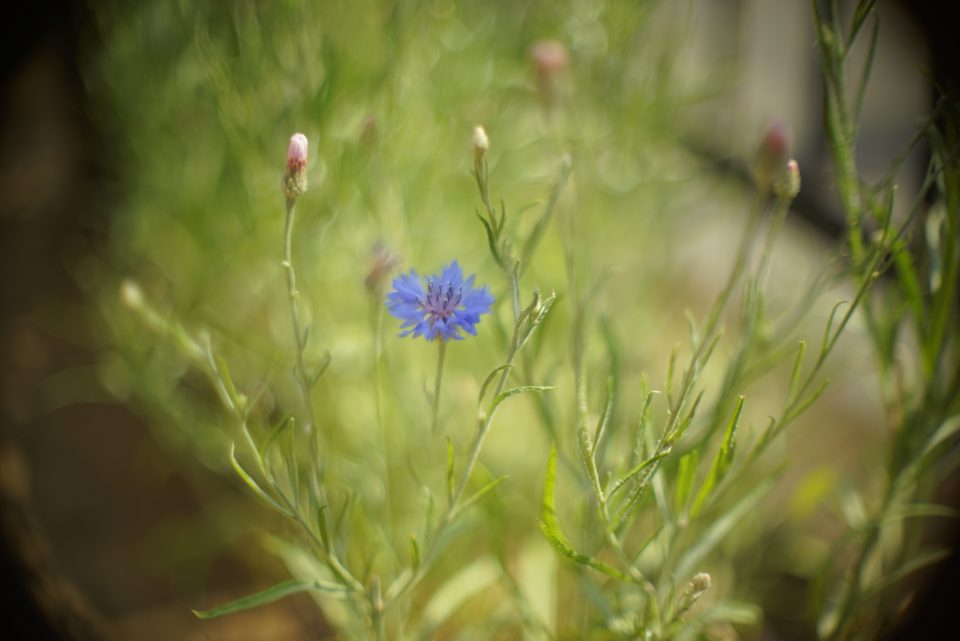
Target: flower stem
{"x":299,"y":337}
{"x":441,"y":356}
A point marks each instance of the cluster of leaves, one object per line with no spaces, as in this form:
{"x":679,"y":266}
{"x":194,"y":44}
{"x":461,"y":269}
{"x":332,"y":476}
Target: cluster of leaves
{"x":919,"y":302}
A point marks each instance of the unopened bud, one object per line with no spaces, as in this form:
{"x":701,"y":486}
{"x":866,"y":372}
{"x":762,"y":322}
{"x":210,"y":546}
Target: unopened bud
{"x":771,"y":156}
{"x":787,"y":184}
{"x":295,"y":176}
{"x":550,"y":60}
{"x":550,"y":56}
{"x":700,"y":583}
{"x":480,"y":142}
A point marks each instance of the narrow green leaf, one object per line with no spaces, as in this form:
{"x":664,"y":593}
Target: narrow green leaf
{"x":428,"y":519}
{"x":491,"y":237}
{"x":630,"y":474}
{"x":480,"y":494}
{"x":681,"y":429}
{"x":722,"y":461}
{"x":489,"y":379}
{"x":323,"y":526}
{"x":918,"y":562}
{"x":800,"y":408}
{"x":414,"y":552}
{"x":338,"y":521}
{"x":224,"y":373}
{"x":944,"y":432}
{"x":605,"y":417}
{"x":293,"y":469}
{"x":909,"y":281}
{"x":537,"y":320}
{"x":686,"y":472}
{"x":671,"y":364}
{"x":242,"y":473}
{"x":719,"y":529}
{"x":518,"y":390}
{"x":269,"y":595}
{"x":922,"y":510}
{"x":860,"y":16}
{"x":273,"y":434}
{"x":321,"y":369}
{"x":827,"y":340}
{"x":867,"y":69}
{"x":795,"y":375}
{"x":450,"y":481}
{"x":551,"y":529}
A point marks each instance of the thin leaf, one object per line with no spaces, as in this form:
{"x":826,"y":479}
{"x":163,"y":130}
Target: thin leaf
{"x":269,"y":595}
{"x":518,"y":390}
{"x":486,"y":489}
{"x":293,"y":469}
{"x":795,"y":375}
{"x":719,"y":529}
{"x":922,"y":510}
{"x":867,"y":69}
{"x":242,"y":473}
{"x":414,"y":552}
{"x":551,"y":529}
{"x":273,"y":434}
{"x":722,"y":461}
{"x":450,"y":481}
{"x":860,"y":16}
{"x":323,"y":526}
{"x":634,"y":471}
{"x":605,"y":417}
{"x":489,"y":379}
{"x":687,"y":470}
{"x":918,"y":562}
{"x":224,"y":373}
{"x":800,"y":408}
{"x":827,"y":340}
{"x":491,"y":237}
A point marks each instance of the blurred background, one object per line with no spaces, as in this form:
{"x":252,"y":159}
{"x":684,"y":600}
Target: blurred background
{"x":146,"y":140}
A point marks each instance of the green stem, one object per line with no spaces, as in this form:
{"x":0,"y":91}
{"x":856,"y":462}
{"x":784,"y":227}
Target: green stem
{"x":298,"y":335}
{"x":441,"y":357}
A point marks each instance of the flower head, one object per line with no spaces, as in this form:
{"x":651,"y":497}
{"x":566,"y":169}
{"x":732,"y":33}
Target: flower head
{"x":295,"y":175}
{"x":447,"y":304}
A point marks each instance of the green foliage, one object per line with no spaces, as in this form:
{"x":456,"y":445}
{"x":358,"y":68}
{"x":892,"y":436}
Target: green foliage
{"x":311,"y":402}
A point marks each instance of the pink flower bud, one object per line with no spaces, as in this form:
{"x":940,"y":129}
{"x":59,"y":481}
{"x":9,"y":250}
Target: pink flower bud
{"x":772,"y":156}
{"x":295,"y":177}
{"x":297,"y":153}
{"x":550,"y":56}
{"x":550,"y":60}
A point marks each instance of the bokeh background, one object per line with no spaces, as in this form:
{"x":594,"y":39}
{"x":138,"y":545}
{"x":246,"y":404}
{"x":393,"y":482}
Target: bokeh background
{"x":147,"y":139}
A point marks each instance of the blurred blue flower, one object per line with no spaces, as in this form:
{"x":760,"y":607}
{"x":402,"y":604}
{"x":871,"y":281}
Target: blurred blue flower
{"x":448,"y":305}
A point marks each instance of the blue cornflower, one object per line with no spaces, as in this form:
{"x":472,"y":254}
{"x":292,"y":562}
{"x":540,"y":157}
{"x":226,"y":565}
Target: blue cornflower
{"x":448,"y":305}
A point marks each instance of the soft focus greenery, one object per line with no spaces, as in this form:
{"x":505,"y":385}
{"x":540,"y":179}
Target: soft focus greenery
{"x":673,"y":429}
